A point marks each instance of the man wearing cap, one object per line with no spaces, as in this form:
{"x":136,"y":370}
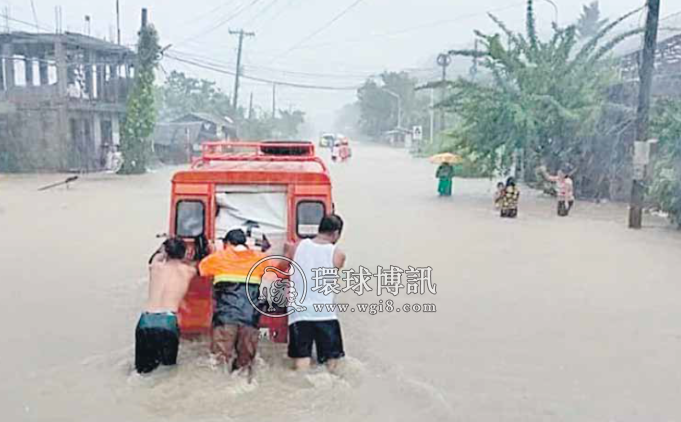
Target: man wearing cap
{"x":235,"y":319}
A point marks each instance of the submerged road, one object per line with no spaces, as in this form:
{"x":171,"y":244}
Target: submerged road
{"x":537,"y":319}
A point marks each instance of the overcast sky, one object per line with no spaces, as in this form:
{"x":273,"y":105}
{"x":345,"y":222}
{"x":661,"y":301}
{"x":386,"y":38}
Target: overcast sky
{"x":294,"y":43}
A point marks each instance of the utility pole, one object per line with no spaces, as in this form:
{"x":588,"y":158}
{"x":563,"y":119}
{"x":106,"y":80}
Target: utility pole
{"x":8,"y":29}
{"x":474,"y":69}
{"x":241,"y":33}
{"x":646,"y":73}
{"x":145,"y":17}
{"x":118,"y":22}
{"x":250,"y":107}
{"x":399,"y":105}
{"x":274,"y":101}
{"x":432,"y":115}
{"x":443,"y":60}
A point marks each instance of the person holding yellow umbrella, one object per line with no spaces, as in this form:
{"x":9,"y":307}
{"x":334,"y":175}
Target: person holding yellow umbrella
{"x":445,"y":172}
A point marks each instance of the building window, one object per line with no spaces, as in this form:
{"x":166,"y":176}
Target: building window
{"x":190,"y":219}
{"x":308,"y":216}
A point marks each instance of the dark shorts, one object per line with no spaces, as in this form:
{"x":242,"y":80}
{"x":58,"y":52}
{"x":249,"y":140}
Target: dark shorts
{"x":157,"y":339}
{"x":564,"y":208}
{"x":509,"y":212}
{"x":326,"y":335}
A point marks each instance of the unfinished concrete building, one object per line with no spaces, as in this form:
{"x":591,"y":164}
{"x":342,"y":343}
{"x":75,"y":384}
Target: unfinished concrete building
{"x":62,"y":98}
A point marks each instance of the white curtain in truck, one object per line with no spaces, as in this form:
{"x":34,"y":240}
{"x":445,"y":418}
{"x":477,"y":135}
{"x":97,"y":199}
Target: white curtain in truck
{"x":264,"y":207}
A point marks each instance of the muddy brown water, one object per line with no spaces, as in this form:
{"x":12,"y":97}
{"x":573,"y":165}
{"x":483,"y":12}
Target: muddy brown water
{"x":537,"y":319}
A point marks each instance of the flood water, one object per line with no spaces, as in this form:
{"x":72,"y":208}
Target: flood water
{"x":538,"y":319}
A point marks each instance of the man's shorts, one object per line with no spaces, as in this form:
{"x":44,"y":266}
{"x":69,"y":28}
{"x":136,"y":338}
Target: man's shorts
{"x":157,"y":339}
{"x":326,"y":335}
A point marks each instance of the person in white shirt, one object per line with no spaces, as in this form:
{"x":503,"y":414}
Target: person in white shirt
{"x":318,"y":327}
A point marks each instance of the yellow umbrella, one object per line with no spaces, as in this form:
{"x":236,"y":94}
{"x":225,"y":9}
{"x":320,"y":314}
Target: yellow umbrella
{"x":446,"y":157}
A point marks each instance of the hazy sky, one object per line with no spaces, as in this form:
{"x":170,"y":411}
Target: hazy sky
{"x":373,"y":36}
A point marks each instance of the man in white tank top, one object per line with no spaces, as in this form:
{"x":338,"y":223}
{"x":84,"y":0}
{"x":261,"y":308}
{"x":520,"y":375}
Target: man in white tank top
{"x":316,"y":326}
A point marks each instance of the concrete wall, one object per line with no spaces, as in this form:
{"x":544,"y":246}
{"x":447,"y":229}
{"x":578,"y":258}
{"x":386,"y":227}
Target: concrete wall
{"x":28,"y":142}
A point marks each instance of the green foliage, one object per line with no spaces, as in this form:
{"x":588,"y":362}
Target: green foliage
{"x":347,"y":119}
{"x":288,"y":122}
{"x":665,"y":189}
{"x":540,"y":96}
{"x":141,"y":113}
{"x":261,"y":125}
{"x":590,"y":22}
{"x":181,"y":94}
{"x":378,"y":108}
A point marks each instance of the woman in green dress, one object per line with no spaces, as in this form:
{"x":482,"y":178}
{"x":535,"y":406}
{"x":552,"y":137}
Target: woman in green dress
{"x":445,"y":173}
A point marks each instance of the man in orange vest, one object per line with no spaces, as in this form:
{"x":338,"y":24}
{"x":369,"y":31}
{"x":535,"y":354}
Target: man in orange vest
{"x":235,"y":319}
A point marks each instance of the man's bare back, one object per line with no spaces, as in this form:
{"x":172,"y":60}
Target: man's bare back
{"x":168,"y":283}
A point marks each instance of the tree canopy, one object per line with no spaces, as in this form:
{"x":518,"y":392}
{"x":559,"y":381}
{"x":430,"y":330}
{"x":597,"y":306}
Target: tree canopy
{"x":181,"y":94}
{"x":590,"y":22}
{"x":543,"y":97}
{"x":378,"y":107}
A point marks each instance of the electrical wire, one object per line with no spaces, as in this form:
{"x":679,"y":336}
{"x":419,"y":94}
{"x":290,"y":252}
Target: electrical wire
{"x":210,"y":12}
{"x":220,"y":23}
{"x":32,"y":25}
{"x":415,"y":28}
{"x":213,"y":62}
{"x":276,"y":16}
{"x":261,"y":13}
{"x":259,"y":79}
{"x":321,"y":29}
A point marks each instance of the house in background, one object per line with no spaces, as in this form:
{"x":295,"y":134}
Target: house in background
{"x":177,"y":142}
{"x":214,"y":127}
{"x":62,"y":97}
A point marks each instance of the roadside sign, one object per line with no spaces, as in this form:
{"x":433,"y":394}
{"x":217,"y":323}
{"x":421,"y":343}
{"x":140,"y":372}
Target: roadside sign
{"x":418,"y":133}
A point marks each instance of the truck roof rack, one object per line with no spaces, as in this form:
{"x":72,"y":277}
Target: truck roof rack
{"x":270,"y":150}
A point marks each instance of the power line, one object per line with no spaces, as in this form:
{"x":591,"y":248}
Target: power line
{"x":417,"y":27}
{"x":238,"y":12}
{"x":259,"y":79}
{"x":261,"y":13}
{"x":32,"y":25}
{"x":210,"y":12}
{"x":214,"y":62}
{"x":321,"y":29}
{"x":277,"y":15}
{"x":363,"y":75}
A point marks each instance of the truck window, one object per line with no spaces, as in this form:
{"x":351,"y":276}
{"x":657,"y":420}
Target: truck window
{"x":190,"y":220}
{"x":308,"y":216}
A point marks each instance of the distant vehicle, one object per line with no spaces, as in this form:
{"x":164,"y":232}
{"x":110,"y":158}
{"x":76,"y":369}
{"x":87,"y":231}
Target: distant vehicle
{"x":327,"y":140}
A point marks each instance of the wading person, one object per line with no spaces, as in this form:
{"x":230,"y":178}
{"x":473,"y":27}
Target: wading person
{"x":157,"y":335}
{"x":445,"y":174}
{"x":565,"y":192}
{"x":235,"y":319}
{"x":509,"y":202}
{"x":499,"y":195}
{"x":316,"y":327}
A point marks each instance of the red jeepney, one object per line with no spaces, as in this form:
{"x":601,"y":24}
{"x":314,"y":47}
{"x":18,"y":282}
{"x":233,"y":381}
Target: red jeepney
{"x":280,"y":190}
